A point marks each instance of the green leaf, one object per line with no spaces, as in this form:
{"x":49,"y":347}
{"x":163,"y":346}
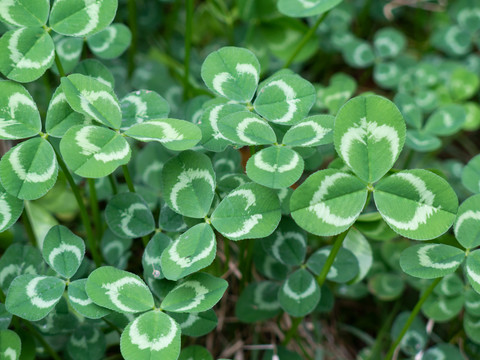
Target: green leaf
{"x":10,"y":345}
{"x":369,"y":136}
{"x":442,"y":308}
{"x":275,"y":167}
{"x":415,"y":339}
{"x":188,"y":184}
{"x":409,"y":109}
{"x":10,"y":210}
{"x":258,"y":302}
{"x":471,"y":325}
{"x":232,"y":72}
{"x":246,"y":128}
{"x":5,"y":317}
{"x":344,"y":267}
{"x":285,"y":99}
{"x":177,"y":135}
{"x":81,"y":18}
{"x":472,"y":270}
{"x":299,"y":294}
{"x":463,"y":84}
{"x":60,"y":116}
{"x":358,"y":54}
{"x":91,"y":97}
{"x":114,"y":248}
{"x":25,"y":13}
{"x":471,"y":175}
{"x":250,"y":211}
{"x":312,"y":131}
{"x":87,"y":343}
{"x":306,"y":8}
{"x":63,"y":251}
{"x":428,"y":203}
{"x":118,"y":290}
{"x":29,"y":170}
{"x":452,"y":40}
{"x":386,"y":286}
{"x":32,"y":297}
{"x":443,"y":351}
{"x":192,"y":251}
{"x":19,"y":117}
{"x":80,"y":301}
{"x":328,"y":202}
{"x":467,"y":223}
{"x":422,"y":141}
{"x":69,"y":51}
{"x":446,"y":120}
{"x":27,"y":53}
{"x":287,"y":244}
{"x":195,"y":352}
{"x":199,"y":292}
{"x":142,"y":105}
{"x":359,"y":246}
{"x":152,"y":336}
{"x":196,"y":324}
{"x":430,"y":261}
{"x":128,"y":216}
{"x":389,"y":42}
{"x":96,"y":70}
{"x":472,"y":302}
{"x":111,"y":42}
{"x":94,"y":151}
{"x":152,"y":255}
{"x":387,"y":74}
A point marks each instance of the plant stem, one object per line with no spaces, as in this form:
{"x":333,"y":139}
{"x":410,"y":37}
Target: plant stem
{"x":94,"y":208}
{"x":383,"y":331}
{"x":83,"y":211}
{"x":28,"y":228}
{"x":410,"y":319}
{"x":128,"y":178}
{"x":296,"y":321}
{"x":2,"y":296}
{"x":132,"y":24}
{"x":113,"y":326}
{"x":40,"y":338}
{"x":113,"y":184}
{"x":61,"y":72}
{"x":331,"y":257}
{"x":305,"y":39}
{"x":188,"y":46}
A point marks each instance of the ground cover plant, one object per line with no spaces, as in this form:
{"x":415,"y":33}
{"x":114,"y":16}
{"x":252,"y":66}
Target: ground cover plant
{"x":275,"y":179}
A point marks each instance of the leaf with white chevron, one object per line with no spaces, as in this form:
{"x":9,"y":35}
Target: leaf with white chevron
{"x":328,"y":202}
{"x":472,"y":270}
{"x":10,"y":345}
{"x":142,"y":105}
{"x":10,"y":209}
{"x":111,"y":42}
{"x":257,"y":302}
{"x":88,"y":340}
{"x":417,"y":204}
{"x":299,"y":294}
{"x":79,"y":300}
{"x":467,"y":223}
{"x":232,"y":72}
{"x":345,"y":267}
{"x":94,"y":151}
{"x":312,"y":131}
{"x":63,"y":251}
{"x":151,"y":258}
{"x":250,"y":211}
{"x":24,"y":13}
{"x":246,"y":128}
{"x":367,"y":128}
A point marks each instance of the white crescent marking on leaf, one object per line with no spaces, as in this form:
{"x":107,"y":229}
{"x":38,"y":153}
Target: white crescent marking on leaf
{"x":36,"y":300}
{"x":114,"y":288}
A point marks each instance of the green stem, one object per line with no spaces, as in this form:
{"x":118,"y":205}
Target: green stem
{"x":410,"y":319}
{"x":113,"y":184}
{"x":375,"y":354}
{"x":61,"y":72}
{"x":94,"y":208}
{"x":188,"y":46}
{"x":28,"y":228}
{"x":2,"y":296}
{"x":128,"y":178}
{"x":331,"y":257}
{"x":305,"y":39}
{"x":296,"y":321}
{"x":132,"y":24}
{"x":40,"y":338}
{"x":83,"y":211}
{"x":113,"y":326}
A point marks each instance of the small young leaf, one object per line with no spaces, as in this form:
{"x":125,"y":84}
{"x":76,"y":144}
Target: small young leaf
{"x":312,"y":131}
{"x":192,"y":251}
{"x":177,"y":135}
{"x":69,"y":51}
{"x":285,"y":99}
{"x":128,"y":216}
{"x":19,"y":117}
{"x":429,"y":261}
{"x":91,"y":97}
{"x":328,"y":202}
{"x":93,"y":151}
{"x":118,"y":290}
{"x":153,"y":335}
{"x":27,"y":53}
{"x":232,"y":73}
{"x":10,"y":345}
{"x":197,"y":293}
{"x":29,"y":170}
{"x":250,"y":211}
{"x":428,"y":203}
{"x":81,"y":18}
{"x":142,"y":105}
{"x":32,"y":297}
{"x":258,"y":302}
{"x":344,"y":267}
{"x":152,"y":255}
{"x":369,"y":136}
{"x":246,"y":128}
{"x":25,"y":13}
{"x":299,"y":294}
{"x":188,"y":183}
{"x":82,"y":303}
{"x":87,"y":343}
{"x":306,"y":8}
{"x":63,"y":251}
{"x":111,"y":42}
{"x":471,"y":175}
